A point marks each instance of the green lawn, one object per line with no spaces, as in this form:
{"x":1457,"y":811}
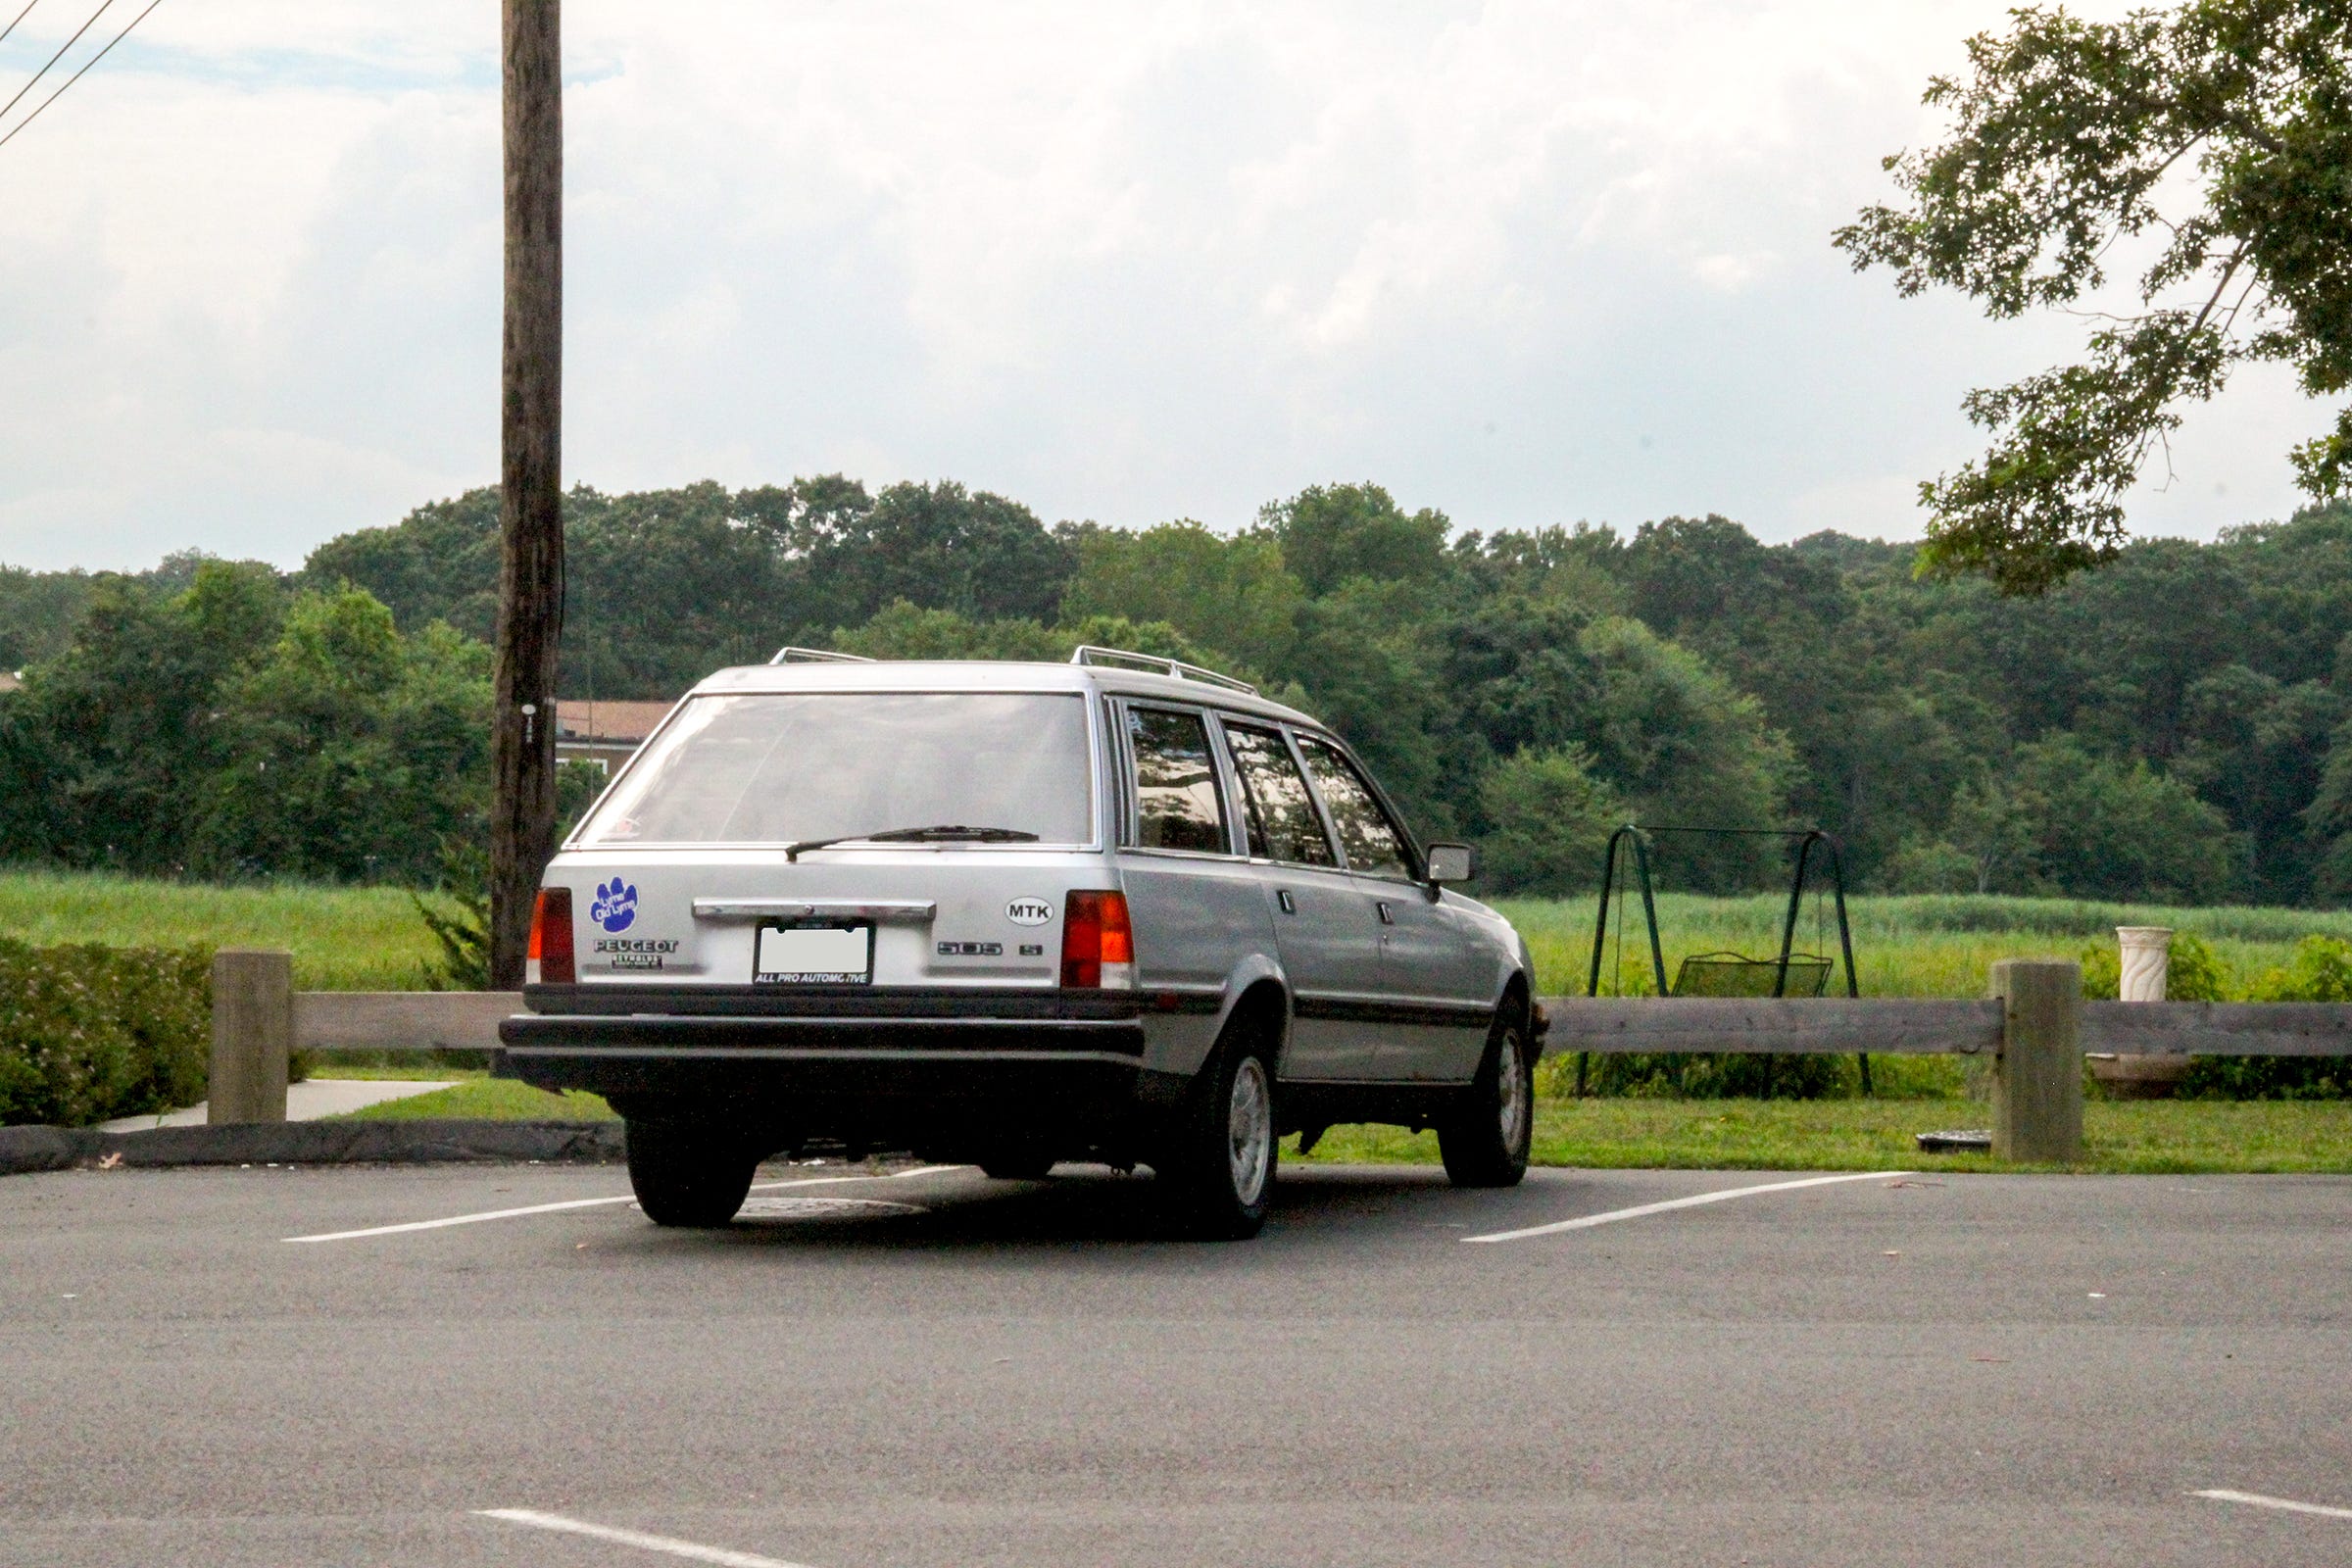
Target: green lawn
{"x":488,"y":1099}
{"x":2136,"y":1136}
{"x":2122,"y":1136}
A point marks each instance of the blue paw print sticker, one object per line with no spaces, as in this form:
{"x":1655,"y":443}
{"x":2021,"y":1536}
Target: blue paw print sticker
{"x":615,"y":905}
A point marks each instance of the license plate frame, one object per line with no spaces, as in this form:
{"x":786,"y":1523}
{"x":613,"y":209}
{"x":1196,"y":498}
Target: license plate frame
{"x":788,"y":954}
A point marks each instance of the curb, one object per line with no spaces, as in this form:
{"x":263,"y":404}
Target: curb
{"x":24,"y":1150}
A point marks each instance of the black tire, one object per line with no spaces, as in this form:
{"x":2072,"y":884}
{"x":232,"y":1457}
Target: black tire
{"x":1217,"y":1175}
{"x":1484,"y":1142}
{"x":688,"y":1176}
{"x":1017,"y":1168}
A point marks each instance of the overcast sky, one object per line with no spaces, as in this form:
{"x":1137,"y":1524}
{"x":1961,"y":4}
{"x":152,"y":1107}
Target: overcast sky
{"x":1525,"y":263}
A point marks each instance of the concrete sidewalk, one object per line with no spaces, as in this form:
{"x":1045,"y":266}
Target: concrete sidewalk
{"x":310,"y":1100}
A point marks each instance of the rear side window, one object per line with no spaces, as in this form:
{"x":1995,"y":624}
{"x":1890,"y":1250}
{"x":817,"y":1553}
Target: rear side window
{"x":1369,"y":839}
{"x":1177,"y":803}
{"x":1281,"y":814}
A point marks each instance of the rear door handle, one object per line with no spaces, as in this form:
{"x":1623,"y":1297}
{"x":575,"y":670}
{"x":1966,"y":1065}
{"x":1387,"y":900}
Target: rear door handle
{"x":1282,"y":896}
{"x":1387,"y":916}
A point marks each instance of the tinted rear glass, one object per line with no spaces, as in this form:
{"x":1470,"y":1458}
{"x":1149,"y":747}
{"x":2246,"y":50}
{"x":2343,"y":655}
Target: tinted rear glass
{"x":787,"y":768}
{"x":1177,"y":802}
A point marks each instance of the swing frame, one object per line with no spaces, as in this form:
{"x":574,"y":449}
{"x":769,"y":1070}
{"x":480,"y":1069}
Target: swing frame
{"x":1808,"y":839}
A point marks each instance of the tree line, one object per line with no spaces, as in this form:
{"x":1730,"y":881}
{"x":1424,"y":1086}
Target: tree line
{"x":2171,"y":726}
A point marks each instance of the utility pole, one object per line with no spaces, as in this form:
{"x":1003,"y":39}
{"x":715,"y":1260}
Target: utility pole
{"x":530,"y":578}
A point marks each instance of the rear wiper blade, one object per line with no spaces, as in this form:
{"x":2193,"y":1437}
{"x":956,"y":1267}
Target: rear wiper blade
{"x":937,"y":833}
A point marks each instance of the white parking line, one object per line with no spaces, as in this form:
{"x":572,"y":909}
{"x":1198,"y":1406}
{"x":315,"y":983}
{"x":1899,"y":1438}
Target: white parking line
{"x":1588,"y":1221}
{"x":589,"y":1202}
{"x":692,"y":1551}
{"x":2283,"y":1504}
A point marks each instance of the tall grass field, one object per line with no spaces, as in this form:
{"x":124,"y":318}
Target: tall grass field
{"x":371,"y":939}
{"x":1927,"y":945}
{"x":343,"y":938}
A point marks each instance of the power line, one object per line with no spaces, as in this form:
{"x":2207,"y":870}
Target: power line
{"x":20,"y":17}
{"x":55,"y":58}
{"x":76,"y":76}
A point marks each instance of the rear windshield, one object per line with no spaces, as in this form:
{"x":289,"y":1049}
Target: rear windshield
{"x":788,"y":768}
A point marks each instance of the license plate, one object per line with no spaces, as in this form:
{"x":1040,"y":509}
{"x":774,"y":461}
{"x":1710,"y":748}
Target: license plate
{"x":814,"y":956}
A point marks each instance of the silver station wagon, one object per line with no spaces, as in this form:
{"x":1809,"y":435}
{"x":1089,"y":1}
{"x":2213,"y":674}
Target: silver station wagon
{"x":1121,"y":910}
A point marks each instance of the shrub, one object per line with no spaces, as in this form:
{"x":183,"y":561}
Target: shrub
{"x":89,"y":1033}
{"x":2195,"y":971}
{"x":2321,"y":971}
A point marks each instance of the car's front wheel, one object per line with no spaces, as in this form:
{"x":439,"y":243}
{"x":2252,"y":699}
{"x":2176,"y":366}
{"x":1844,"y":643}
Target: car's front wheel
{"x":688,"y":1176}
{"x":1219,"y":1170}
{"x":1484,"y":1142}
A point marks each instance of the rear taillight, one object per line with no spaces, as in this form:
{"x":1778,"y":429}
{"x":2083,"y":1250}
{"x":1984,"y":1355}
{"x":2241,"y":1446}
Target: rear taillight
{"x":1098,"y":946}
{"x":550,"y":963}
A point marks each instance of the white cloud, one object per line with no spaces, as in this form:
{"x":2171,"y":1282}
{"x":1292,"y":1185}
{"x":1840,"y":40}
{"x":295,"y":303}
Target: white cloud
{"x":1525,"y":262}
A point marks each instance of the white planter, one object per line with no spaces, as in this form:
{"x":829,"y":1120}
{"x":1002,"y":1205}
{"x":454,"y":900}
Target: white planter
{"x":2147,"y":960}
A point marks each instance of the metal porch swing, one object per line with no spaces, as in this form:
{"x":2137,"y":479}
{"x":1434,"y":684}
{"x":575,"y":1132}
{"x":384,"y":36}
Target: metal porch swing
{"x":1730,"y":974}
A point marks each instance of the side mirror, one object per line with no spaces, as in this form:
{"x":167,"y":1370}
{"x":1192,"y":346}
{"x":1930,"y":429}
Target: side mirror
{"x":1451,"y":863}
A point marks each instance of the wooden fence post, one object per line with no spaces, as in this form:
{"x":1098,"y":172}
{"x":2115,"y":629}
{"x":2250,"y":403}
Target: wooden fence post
{"x":2037,"y":1077}
{"x":253,"y":1030}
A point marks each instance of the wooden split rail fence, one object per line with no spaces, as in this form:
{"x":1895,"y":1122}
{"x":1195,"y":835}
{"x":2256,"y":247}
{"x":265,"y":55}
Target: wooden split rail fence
{"x":2034,"y":1028}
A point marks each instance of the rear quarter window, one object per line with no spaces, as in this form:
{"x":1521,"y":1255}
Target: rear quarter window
{"x":1177,"y":805}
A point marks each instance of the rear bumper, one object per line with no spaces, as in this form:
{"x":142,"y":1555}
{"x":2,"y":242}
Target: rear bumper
{"x":837,"y":1076}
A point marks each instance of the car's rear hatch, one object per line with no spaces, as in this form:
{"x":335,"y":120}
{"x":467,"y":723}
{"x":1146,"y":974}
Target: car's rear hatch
{"x":868,"y":916}
{"x":816,"y":842}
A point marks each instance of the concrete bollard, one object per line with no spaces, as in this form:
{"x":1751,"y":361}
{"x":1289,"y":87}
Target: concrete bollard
{"x":253,"y":1031}
{"x":2037,"y":1078}
{"x":2147,"y":958}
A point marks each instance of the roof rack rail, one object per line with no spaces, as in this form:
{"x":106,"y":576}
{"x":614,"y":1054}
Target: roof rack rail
{"x":1089,"y":653}
{"x":816,"y":655}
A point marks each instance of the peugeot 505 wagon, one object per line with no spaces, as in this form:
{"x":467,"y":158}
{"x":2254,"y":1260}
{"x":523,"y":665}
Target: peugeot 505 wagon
{"x":1007,"y":914}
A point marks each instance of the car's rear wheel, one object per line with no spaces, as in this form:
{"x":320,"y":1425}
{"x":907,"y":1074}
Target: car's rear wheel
{"x":688,"y":1176}
{"x":1219,"y":1170}
{"x":1484,"y":1142}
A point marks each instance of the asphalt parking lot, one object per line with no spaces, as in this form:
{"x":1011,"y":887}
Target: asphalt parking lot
{"x":934,"y":1369}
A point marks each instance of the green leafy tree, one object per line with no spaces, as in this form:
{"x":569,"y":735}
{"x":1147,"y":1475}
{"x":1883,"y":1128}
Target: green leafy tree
{"x":37,"y":613}
{"x":2120,"y":829}
{"x":439,"y":563}
{"x":110,"y":745}
{"x":1330,"y":533}
{"x":938,"y":547}
{"x":1227,"y":593}
{"x":1689,"y":750}
{"x":2213,"y":137}
{"x":905,"y":631}
{"x":351,"y":753}
{"x":1548,"y":820}
{"x":1365,"y":663}
{"x":1994,"y":824}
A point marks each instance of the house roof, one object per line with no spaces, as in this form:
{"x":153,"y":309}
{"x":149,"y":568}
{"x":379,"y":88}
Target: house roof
{"x":611,"y":723}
